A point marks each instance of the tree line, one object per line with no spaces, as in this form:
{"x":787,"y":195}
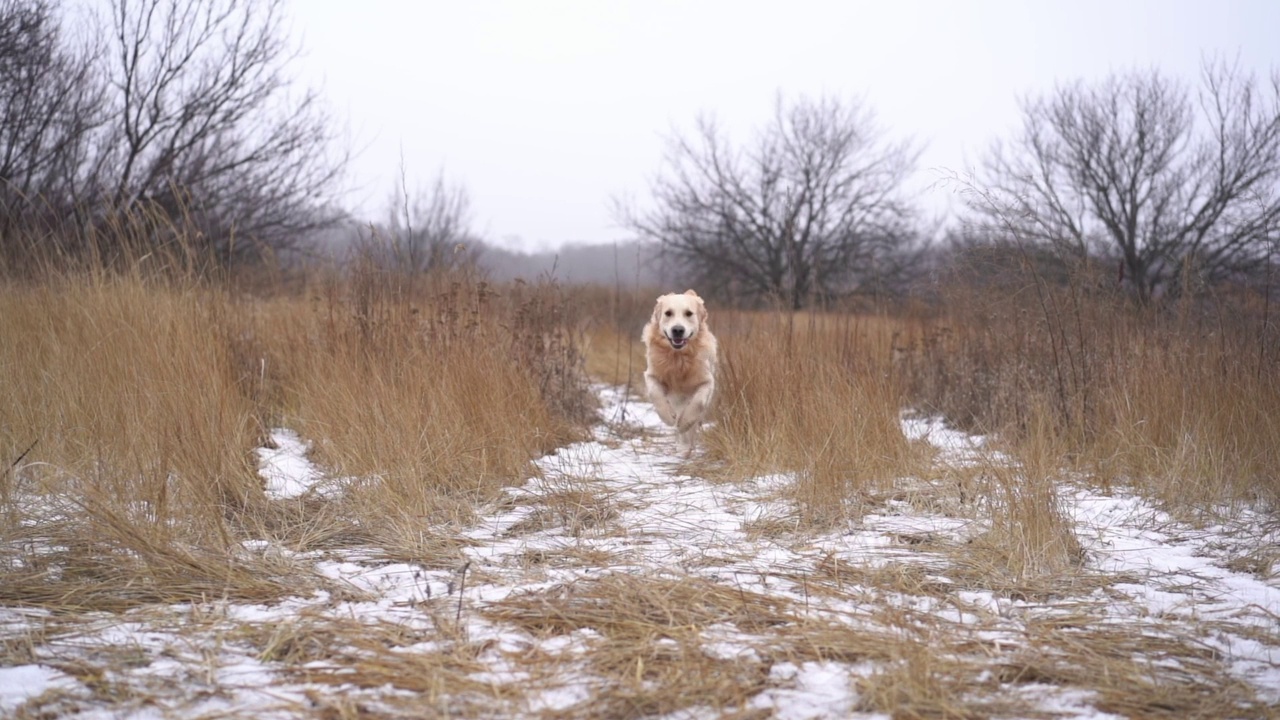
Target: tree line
{"x":184,"y":111}
{"x":1140,"y":176}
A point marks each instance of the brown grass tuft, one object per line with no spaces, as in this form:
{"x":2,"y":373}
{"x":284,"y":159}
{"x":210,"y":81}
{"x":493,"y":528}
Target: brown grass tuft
{"x":1030,"y":536}
{"x":813,"y":395}
{"x":430,"y":675}
{"x":618,"y":605}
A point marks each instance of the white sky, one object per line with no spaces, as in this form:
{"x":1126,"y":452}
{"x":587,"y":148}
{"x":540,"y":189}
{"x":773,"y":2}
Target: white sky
{"x":546,"y":109}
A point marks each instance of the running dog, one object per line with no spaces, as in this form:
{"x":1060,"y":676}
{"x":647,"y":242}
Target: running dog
{"x":681,"y":354}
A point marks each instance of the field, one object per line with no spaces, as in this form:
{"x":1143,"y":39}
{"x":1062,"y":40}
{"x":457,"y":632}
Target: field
{"x":376,"y":495}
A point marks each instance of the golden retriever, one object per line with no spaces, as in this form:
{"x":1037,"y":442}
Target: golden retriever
{"x":681,"y":354}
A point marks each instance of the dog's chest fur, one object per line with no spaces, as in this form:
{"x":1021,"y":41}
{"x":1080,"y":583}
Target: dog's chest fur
{"x":681,"y":371}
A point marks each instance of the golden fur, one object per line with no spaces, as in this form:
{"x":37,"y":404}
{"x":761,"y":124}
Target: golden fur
{"x":681,"y":353}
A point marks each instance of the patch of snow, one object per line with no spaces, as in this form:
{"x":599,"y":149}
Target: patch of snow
{"x":20,"y":683}
{"x":286,"y":469}
{"x":810,"y":691}
{"x":1175,"y":576}
{"x":958,"y":448}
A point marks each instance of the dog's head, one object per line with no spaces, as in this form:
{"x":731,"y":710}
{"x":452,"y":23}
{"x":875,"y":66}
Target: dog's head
{"x":679,"y":317}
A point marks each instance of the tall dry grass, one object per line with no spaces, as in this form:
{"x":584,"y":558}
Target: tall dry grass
{"x":126,"y":443}
{"x":822,"y":396}
{"x":1066,"y":376}
{"x":1029,"y":536}
{"x":135,"y":396}
{"x":614,"y":319}
{"x":435,"y":392}
{"x":1178,"y":400}
{"x":815,"y":395}
{"x":1189,"y":409}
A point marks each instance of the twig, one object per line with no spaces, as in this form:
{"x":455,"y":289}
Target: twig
{"x":14,"y":464}
{"x":462,"y":587}
{"x":804,"y":579}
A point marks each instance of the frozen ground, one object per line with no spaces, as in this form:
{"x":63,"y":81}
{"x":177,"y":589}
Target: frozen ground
{"x":614,"y":582}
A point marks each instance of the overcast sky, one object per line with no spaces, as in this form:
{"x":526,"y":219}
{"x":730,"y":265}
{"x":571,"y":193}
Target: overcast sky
{"x":547,"y":110}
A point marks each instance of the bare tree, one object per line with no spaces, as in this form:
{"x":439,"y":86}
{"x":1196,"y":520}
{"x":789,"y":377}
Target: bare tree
{"x":812,"y":209}
{"x":425,"y":231}
{"x":181,"y":109}
{"x":50,"y":104}
{"x":1137,"y":169}
{"x":432,"y":229}
{"x":204,"y":123}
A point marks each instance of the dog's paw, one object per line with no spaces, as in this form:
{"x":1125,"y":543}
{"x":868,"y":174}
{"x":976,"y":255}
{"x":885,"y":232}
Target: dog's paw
{"x":689,"y":419}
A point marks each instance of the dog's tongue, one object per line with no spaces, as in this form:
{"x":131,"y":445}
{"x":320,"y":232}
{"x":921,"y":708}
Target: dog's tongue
{"x":677,"y":344}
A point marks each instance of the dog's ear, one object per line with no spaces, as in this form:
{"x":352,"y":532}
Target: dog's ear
{"x":702,"y":310}
{"x":691,"y":293}
{"x":657,"y":307}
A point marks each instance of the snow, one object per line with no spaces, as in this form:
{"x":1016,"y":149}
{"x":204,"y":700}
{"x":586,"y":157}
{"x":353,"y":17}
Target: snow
{"x":1180,"y":579}
{"x":285,"y":468}
{"x":812,"y":690}
{"x":656,"y":519}
{"x":23,"y":682}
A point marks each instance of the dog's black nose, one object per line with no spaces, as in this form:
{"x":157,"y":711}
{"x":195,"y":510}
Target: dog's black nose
{"x":677,"y":331}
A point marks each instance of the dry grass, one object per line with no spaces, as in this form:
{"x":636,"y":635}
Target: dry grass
{"x":620,"y":605}
{"x":1198,"y":412}
{"x":650,"y":660}
{"x":616,"y":357}
{"x":1137,"y":670}
{"x":578,"y":511}
{"x":820,"y":395}
{"x":1131,"y":671}
{"x":429,"y":672}
{"x":650,"y":652}
{"x":434,"y":397}
{"x":128,"y":478}
{"x":813,"y":395}
{"x":1029,"y":536}
{"x":1192,"y":417}
{"x":615,"y":317}
{"x":1177,"y":401}
{"x":127,"y":446}
{"x":137,"y":399}
{"x":924,"y":685}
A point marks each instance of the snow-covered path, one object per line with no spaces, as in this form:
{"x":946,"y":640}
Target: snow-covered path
{"x":615,"y":583}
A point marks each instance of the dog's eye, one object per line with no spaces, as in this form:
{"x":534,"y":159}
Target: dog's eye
{"x":667,"y":313}
{"x":688,"y":313}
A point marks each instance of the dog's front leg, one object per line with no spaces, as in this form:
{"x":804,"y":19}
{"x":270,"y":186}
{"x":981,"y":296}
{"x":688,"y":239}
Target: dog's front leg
{"x":690,"y":418}
{"x":658,"y":396}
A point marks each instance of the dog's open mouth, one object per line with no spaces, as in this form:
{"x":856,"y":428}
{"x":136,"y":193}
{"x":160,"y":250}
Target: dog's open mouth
{"x":678,"y":343}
